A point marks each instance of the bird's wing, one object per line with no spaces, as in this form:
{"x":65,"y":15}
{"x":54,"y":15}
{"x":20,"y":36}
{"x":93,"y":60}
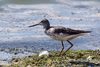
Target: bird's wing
{"x":68,"y":31}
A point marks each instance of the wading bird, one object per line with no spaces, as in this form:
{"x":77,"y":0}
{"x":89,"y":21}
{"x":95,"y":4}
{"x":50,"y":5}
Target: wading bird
{"x":60,"y":33}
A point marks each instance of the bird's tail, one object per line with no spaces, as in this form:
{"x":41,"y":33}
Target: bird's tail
{"x":87,"y":31}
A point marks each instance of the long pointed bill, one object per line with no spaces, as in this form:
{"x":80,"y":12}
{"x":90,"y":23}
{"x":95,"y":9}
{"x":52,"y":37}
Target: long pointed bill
{"x":33,"y":25}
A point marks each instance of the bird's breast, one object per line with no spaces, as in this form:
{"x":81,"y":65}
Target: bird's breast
{"x":50,"y":31}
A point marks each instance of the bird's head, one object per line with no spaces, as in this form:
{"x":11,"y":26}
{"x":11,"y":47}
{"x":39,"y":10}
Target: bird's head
{"x":44,"y":23}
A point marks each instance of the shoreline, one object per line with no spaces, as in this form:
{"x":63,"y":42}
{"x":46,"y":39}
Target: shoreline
{"x":8,"y":57}
{"x":72,"y":57}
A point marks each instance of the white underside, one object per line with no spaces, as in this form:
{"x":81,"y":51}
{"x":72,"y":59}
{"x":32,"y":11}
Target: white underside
{"x":65,"y":37}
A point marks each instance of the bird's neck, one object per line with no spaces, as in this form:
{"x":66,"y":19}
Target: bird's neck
{"x":46,"y":27}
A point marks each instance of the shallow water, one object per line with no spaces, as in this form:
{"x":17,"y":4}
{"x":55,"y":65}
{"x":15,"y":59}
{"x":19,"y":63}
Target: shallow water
{"x":17,"y":15}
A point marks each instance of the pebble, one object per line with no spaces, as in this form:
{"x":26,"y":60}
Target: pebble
{"x":44,"y":53}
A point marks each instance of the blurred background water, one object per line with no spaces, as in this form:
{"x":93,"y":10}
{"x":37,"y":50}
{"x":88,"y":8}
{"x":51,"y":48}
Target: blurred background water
{"x":17,"y":15}
{"x":2,"y":2}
